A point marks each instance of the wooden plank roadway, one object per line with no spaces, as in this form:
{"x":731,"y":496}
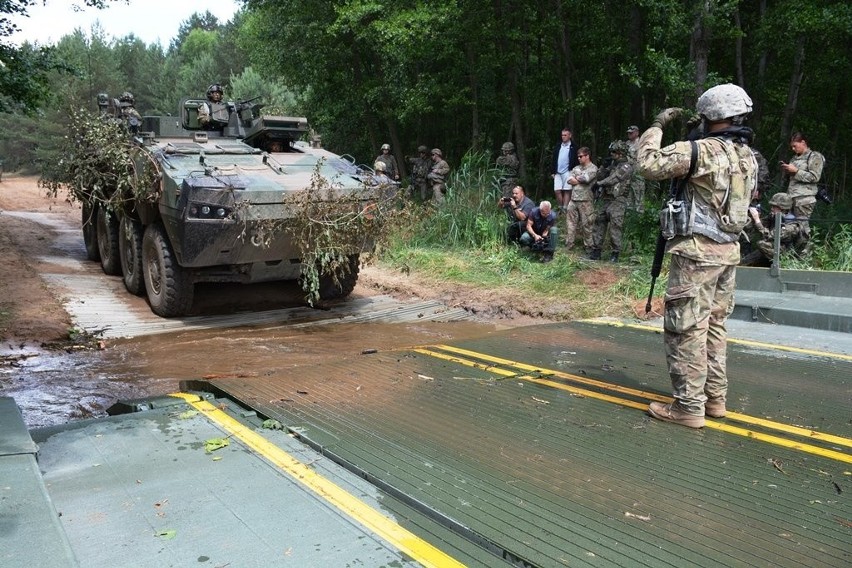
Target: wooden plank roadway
{"x":534,"y":444}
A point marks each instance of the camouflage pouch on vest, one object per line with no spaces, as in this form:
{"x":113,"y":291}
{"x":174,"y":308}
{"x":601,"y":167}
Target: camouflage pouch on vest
{"x":733,"y":214}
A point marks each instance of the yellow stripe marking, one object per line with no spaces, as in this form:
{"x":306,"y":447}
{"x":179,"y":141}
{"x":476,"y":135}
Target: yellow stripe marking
{"x":401,"y":538}
{"x":746,"y":342}
{"x":829,"y":438}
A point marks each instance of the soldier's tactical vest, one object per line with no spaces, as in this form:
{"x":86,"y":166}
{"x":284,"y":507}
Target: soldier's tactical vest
{"x":723,"y":225}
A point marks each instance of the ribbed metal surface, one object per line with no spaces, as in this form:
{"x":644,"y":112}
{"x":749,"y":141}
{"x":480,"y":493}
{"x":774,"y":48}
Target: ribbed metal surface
{"x":99,"y":304}
{"x":552,"y":478}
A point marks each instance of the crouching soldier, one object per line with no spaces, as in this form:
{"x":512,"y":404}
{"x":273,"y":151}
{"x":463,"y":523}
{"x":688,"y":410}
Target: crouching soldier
{"x":794,"y":233}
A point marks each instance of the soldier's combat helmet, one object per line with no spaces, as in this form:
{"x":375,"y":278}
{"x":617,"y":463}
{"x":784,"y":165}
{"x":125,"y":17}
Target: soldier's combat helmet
{"x":214,"y":88}
{"x":723,"y":101}
{"x":380,"y":166}
{"x":423,"y":149}
{"x":782,"y":201}
{"x":386,"y":147}
{"x":126,"y":97}
{"x":619,"y":146}
{"x":437,"y":152}
{"x":508,"y":147}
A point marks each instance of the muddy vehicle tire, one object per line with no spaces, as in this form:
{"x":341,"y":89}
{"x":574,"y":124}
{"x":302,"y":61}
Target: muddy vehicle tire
{"x":130,"y":233}
{"x":331,"y":288}
{"x":90,"y":232}
{"x":106,"y":225}
{"x":170,"y":288}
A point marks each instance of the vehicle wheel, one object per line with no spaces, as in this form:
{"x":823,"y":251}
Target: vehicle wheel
{"x":130,"y":253}
{"x":169,"y":286}
{"x":340,"y":285}
{"x":106,"y":225}
{"x":90,"y":232}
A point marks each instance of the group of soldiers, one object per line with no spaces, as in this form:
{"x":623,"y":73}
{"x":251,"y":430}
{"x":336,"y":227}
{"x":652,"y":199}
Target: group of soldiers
{"x":599,"y":197}
{"x":593,"y":199}
{"x":429,"y":172}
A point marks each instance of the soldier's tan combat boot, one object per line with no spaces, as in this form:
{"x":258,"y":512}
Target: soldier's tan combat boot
{"x":671,"y":413}
{"x":715,"y":408}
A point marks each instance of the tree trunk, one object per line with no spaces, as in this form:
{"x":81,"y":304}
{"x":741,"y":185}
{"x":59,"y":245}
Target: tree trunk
{"x":700,"y":47}
{"x":761,"y":75}
{"x":738,"y":51}
{"x":517,"y":117}
{"x":565,"y":69}
{"x":793,"y":93}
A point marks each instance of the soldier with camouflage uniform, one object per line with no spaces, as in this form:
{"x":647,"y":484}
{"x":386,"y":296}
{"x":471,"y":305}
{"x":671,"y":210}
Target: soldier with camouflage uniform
{"x":700,"y":293}
{"x":508,"y":165}
{"x":636,"y":200}
{"x":615,"y":186}
{"x":804,"y":172}
{"x":391,"y":168}
{"x":128,"y":112}
{"x":437,"y":174}
{"x":581,"y":208}
{"x":794,"y":232}
{"x":420,"y":167}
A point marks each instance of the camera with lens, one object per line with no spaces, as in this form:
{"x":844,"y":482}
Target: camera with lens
{"x":505,"y":200}
{"x":541,"y":245}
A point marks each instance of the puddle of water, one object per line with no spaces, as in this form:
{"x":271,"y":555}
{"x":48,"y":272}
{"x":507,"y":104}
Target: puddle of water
{"x":55,"y":388}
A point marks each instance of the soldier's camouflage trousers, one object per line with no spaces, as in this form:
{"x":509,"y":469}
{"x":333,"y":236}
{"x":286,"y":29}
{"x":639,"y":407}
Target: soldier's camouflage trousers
{"x":699,"y":299}
{"x":580,"y":214}
{"x":612,"y":215}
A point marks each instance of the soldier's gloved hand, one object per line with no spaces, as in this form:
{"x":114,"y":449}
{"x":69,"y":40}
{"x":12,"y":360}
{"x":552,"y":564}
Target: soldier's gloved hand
{"x":693,"y":122}
{"x":665,"y":117}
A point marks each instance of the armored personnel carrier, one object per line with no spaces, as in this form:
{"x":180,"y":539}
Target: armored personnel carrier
{"x":216,"y":202}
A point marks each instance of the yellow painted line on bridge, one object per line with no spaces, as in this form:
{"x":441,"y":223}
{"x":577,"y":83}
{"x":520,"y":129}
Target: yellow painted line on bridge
{"x":497,"y":366}
{"x":404,"y":540}
{"x":747,"y":342}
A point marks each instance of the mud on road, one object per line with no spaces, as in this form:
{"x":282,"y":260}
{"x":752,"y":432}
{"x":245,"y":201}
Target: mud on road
{"x":73,"y":342}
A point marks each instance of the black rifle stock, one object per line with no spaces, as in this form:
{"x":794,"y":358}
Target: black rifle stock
{"x":656,"y":267}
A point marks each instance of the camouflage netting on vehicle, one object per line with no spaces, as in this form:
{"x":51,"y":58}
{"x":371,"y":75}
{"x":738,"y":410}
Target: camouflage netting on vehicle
{"x":97,"y":166}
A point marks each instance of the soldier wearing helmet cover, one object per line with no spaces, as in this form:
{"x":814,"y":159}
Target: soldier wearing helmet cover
{"x":616,"y":188}
{"x":128,"y":112}
{"x":391,"y":169}
{"x":507,"y":165}
{"x":700,"y":293}
{"x":794,"y":232}
{"x":420,"y":166}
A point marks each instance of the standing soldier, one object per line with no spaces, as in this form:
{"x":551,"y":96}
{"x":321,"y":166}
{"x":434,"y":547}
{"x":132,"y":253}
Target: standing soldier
{"x":721,"y":174}
{"x":436,"y":176}
{"x":616,"y":187}
{"x":581,"y":208}
{"x":508,"y":165}
{"x":128,"y":112}
{"x":636,"y":200}
{"x":391,"y":167}
{"x":420,"y":167}
{"x":804,"y":172}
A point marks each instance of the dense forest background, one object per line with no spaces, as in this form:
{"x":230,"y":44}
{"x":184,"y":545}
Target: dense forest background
{"x":462,"y":75}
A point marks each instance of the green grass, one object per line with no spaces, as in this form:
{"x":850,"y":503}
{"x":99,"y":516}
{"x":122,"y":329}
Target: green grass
{"x":462,"y":242}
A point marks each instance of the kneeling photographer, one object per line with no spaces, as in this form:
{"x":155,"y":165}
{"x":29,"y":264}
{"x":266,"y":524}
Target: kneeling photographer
{"x":518,"y":208}
{"x":541,"y":234}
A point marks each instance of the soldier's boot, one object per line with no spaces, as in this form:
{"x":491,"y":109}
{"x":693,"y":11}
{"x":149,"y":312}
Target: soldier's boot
{"x":613,"y":257}
{"x":715,"y":407}
{"x":595,"y":254}
{"x":671,"y":413}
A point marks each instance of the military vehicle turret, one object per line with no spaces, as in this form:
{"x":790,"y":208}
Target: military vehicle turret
{"x":215,"y":202}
